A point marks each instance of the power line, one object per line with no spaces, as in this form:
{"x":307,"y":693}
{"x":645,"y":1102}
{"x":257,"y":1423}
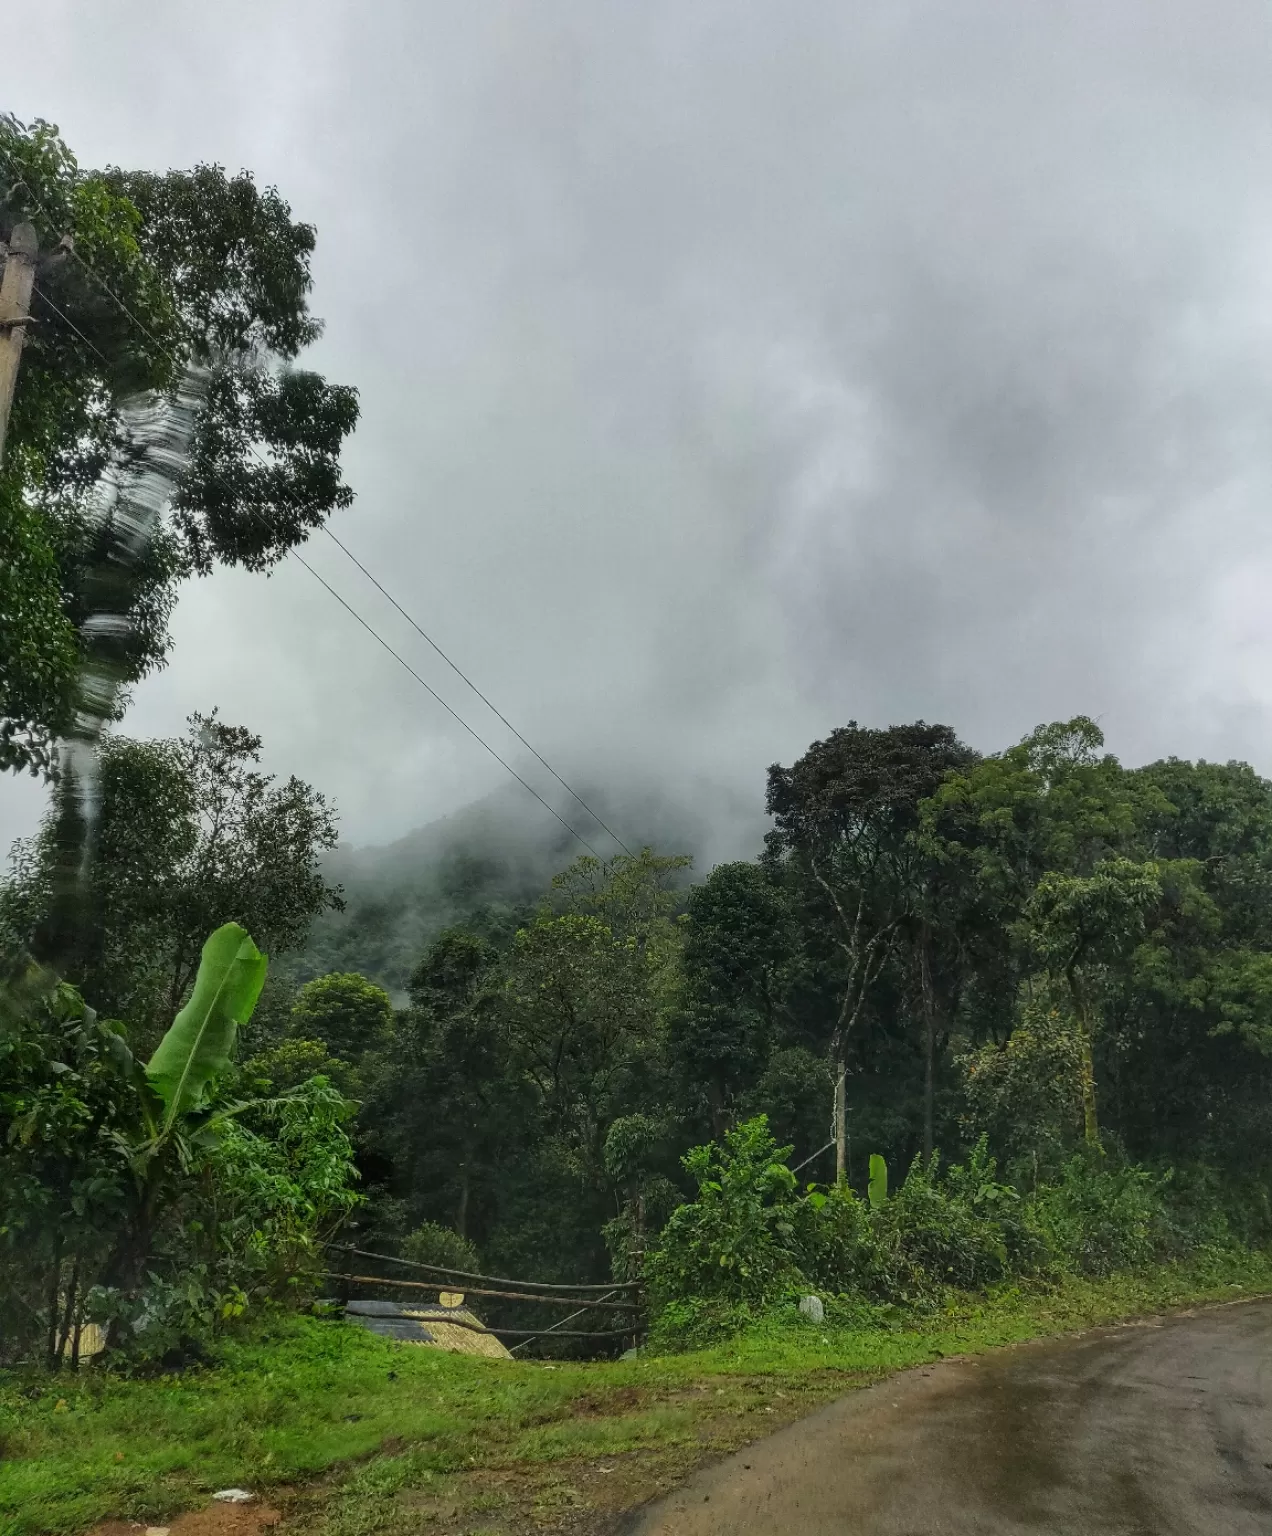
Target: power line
{"x":89,"y":268}
{"x":66,"y":320}
{"x":468,"y":680}
{"x":375,"y":635}
{"x":142,"y":326}
{"x":816,"y":1154}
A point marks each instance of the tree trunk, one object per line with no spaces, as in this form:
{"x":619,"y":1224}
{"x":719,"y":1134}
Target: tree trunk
{"x":125,"y":1269}
{"x":637,"y":1264}
{"x":61,"y":939}
{"x":929,"y":1088}
{"x":841,"y":1122}
{"x":715,"y":1100}
{"x":461,"y":1215}
{"x":929,"y":1048}
{"x":1090,"y":1117}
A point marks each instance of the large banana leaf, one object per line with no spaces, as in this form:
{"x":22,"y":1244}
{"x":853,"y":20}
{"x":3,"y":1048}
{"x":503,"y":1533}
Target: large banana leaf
{"x":878,"y":1180}
{"x":197,"y":1047}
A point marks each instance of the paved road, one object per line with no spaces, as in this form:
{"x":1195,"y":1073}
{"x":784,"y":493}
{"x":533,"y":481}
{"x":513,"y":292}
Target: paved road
{"x":1160,"y":1429}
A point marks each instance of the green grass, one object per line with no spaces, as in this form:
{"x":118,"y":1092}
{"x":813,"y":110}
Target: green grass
{"x":357,"y":1435}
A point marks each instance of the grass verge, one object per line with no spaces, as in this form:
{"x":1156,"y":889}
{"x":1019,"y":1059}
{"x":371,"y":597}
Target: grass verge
{"x":351,"y":1435}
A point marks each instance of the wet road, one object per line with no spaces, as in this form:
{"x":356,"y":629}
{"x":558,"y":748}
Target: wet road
{"x":1150,"y":1430}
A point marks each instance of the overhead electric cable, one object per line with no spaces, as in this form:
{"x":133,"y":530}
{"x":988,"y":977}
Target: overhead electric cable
{"x":89,"y":268}
{"x":348,"y":553}
{"x":498,"y":713}
{"x":67,"y":321}
{"x":375,"y":635}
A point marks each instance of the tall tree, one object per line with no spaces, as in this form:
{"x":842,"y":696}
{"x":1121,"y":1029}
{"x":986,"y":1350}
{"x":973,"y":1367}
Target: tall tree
{"x":1055,"y":801}
{"x":739,"y":940}
{"x":1083,"y":926}
{"x":345,"y":1012}
{"x":846,"y":815}
{"x":146,"y":277}
{"x":581,"y":1014}
{"x":446,"y":1109}
{"x":471,"y":1091}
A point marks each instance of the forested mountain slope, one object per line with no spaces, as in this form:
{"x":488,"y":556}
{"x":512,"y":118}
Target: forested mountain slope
{"x":494,"y":858}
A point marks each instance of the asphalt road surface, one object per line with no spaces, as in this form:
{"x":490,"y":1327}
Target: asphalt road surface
{"x":1148,"y":1430}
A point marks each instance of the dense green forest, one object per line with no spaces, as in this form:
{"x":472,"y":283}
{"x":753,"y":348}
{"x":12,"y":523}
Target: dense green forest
{"x":1048,"y":979}
{"x":1038,"y":982}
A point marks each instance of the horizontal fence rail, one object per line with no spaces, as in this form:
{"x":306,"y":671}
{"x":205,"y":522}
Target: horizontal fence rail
{"x":463,"y":1274}
{"x":556,"y":1328}
{"x":473,"y":1290}
{"x":625,"y":1298}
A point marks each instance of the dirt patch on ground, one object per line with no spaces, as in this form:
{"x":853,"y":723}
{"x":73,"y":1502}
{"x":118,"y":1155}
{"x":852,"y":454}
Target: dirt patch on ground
{"x":254,"y":1519}
{"x":621,"y":1400}
{"x":566,"y":1498}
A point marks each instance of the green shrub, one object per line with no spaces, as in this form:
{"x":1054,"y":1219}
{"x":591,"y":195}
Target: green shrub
{"x":842,"y":1248}
{"x":1027,"y":1093}
{"x":976,"y":1185}
{"x":734,"y":1242}
{"x":1098,"y":1218}
{"x":749,"y":1240}
{"x":1207,"y":1209}
{"x":693,"y":1322}
{"x":432,"y":1243}
{"x":940,"y":1237}
{"x":147,"y":1197}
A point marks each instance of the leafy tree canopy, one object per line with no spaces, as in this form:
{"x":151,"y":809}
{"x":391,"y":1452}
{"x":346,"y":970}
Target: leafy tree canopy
{"x":189,"y":834}
{"x":142,"y":278}
{"x":347,"y":1013}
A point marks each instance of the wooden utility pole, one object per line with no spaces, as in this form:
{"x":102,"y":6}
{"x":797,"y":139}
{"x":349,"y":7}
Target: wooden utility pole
{"x":15,"y":314}
{"x":841,"y":1122}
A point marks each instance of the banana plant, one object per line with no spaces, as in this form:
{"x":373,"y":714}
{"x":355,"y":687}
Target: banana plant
{"x":175,"y":1113}
{"x":200,"y":1042}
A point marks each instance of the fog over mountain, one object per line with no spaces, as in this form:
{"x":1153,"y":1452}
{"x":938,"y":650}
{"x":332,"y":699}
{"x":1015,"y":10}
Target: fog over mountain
{"x":729,"y":371}
{"x":491,"y":863}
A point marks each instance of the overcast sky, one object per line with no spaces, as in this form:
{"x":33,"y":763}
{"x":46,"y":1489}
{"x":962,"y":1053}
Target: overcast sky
{"x":730,"y":370}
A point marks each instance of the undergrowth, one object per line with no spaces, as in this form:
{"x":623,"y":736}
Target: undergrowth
{"x":353,"y":1424}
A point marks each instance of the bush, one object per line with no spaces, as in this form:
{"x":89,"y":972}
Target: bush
{"x":693,"y":1322}
{"x":942,"y":1236}
{"x":734,"y":1242}
{"x":148,"y":1198}
{"x":965,"y":1229}
{"x":283,"y":1176}
{"x":1027,"y":1092}
{"x":839,"y":1248}
{"x":1098,"y":1218}
{"x":749,"y":1240}
{"x":432,"y":1243}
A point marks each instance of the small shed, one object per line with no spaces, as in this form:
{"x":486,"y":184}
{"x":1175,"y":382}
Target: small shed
{"x":452,"y":1327}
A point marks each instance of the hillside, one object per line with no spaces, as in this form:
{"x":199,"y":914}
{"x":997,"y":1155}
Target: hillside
{"x":497,"y":855}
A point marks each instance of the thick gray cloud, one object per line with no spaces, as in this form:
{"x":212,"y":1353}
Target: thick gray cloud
{"x":731,"y":370}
